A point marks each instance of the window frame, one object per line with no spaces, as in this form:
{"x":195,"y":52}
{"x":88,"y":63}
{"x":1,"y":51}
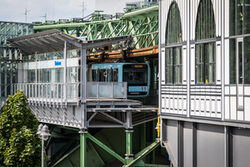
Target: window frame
{"x":203,"y":41}
{"x":173,"y":44}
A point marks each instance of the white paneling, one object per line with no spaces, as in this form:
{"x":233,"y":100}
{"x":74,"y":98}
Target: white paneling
{"x":192,"y":105}
{"x":247,"y":91}
{"x":163,"y":102}
{"x":233,"y":108}
{"x":232,"y":90}
{"x":240,"y":115}
{"x":218,"y":62}
{"x":226,"y":19}
{"x":202,"y":105}
{"x":218,"y":109}
{"x":227,"y":108}
{"x":247,"y":108}
{"x":184,"y":64}
{"x":171,"y":104}
{"x":73,"y":62}
{"x":227,"y":90}
{"x":192,"y":67}
{"x":226,"y":58}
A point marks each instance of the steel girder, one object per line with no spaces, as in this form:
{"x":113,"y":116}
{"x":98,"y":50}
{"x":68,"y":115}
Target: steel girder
{"x":142,"y":26}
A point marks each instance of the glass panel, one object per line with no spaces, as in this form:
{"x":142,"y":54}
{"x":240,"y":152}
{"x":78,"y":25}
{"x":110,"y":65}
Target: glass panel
{"x":177,"y":65}
{"x":247,"y":60}
{"x":115,"y":75}
{"x":240,"y":74}
{"x":247,"y":16}
{"x":232,"y":61}
{"x":239,"y":17}
{"x":173,"y":31}
{"x":135,"y":76}
{"x":205,"y":25}
{"x":205,"y":63}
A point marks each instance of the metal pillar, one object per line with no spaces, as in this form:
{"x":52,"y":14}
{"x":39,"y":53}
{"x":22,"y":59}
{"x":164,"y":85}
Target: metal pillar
{"x":129,"y":150}
{"x":83,"y":147}
{"x":42,"y":153}
{"x":65,"y":72}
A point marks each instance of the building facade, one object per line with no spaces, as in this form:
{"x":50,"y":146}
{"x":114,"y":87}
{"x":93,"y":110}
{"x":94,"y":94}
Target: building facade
{"x":9,"y":56}
{"x":204,"y":81}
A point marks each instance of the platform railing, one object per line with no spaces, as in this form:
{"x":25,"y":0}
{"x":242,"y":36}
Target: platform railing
{"x":50,"y":92}
{"x":55,"y":92}
{"x":107,"y":90}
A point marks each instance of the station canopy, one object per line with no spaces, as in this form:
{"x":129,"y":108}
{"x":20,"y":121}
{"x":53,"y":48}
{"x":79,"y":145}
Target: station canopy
{"x":54,"y":41}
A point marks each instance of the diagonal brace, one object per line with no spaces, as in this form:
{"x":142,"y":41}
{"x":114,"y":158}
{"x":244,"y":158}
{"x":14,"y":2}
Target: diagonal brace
{"x":143,"y":153}
{"x":106,"y":148}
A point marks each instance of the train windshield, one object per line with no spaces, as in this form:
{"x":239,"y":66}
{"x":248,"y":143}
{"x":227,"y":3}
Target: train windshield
{"x":135,"y":74}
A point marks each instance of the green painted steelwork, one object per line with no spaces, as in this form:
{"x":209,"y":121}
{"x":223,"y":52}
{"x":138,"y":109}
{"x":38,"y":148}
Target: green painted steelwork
{"x":106,"y":148}
{"x":129,"y":150}
{"x":83,"y":147}
{"x":141,"y":24}
{"x":143,"y":153}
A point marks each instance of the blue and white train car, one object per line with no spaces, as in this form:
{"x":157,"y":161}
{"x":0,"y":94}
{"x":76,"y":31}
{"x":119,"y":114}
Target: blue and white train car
{"x":137,"y":76}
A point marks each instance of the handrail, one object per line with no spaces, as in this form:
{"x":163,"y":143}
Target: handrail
{"x":50,"y":92}
{"x":54,"y":92}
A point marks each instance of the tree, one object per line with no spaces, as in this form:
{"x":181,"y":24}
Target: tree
{"x":19,"y":144}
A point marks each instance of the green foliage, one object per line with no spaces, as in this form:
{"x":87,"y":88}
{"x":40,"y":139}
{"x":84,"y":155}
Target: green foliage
{"x":19,"y":144}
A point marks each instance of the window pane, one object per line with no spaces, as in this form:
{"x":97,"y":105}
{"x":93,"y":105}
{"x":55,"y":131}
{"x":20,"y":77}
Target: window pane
{"x":205,"y":63}
{"x":177,"y":65}
{"x":247,"y":60}
{"x":232,"y":61}
{"x":247,"y":16}
{"x":240,"y":65}
{"x":239,"y":16}
{"x":205,"y":25}
{"x":173,"y":30}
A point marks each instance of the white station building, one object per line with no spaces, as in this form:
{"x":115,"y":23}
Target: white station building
{"x":205,"y":82}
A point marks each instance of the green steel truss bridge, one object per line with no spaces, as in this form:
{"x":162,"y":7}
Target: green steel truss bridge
{"x":141,"y":24}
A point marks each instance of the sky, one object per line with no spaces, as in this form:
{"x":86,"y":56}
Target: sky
{"x":14,"y":10}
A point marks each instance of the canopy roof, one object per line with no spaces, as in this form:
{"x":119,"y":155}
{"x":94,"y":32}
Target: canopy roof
{"x":54,"y":40}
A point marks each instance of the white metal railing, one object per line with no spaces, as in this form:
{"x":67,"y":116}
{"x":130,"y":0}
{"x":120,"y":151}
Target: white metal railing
{"x":50,"y":92}
{"x":108,"y":90}
{"x":55,"y":92}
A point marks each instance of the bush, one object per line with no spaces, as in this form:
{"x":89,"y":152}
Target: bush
{"x":19,"y":144}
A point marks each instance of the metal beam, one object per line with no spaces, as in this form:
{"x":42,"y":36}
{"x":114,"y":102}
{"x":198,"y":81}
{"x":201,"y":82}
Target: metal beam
{"x":83,"y":148}
{"x":143,"y":153}
{"x":106,"y":148}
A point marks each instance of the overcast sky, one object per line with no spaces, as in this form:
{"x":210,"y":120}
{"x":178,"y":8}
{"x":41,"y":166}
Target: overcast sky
{"x":13,"y":10}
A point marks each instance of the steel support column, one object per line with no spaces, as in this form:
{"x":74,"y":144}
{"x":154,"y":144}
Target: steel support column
{"x":194,"y":145}
{"x":129,"y":149}
{"x":65,"y":72}
{"x":180,"y":144}
{"x":83,"y":145}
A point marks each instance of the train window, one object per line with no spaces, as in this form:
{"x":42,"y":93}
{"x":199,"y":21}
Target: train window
{"x":115,"y":74}
{"x":109,"y":75}
{"x":135,"y":76}
{"x":103,"y":75}
{"x":94,"y":75}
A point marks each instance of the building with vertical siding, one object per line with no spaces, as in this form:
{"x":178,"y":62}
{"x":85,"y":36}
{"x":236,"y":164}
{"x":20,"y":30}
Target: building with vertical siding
{"x":204,"y":81}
